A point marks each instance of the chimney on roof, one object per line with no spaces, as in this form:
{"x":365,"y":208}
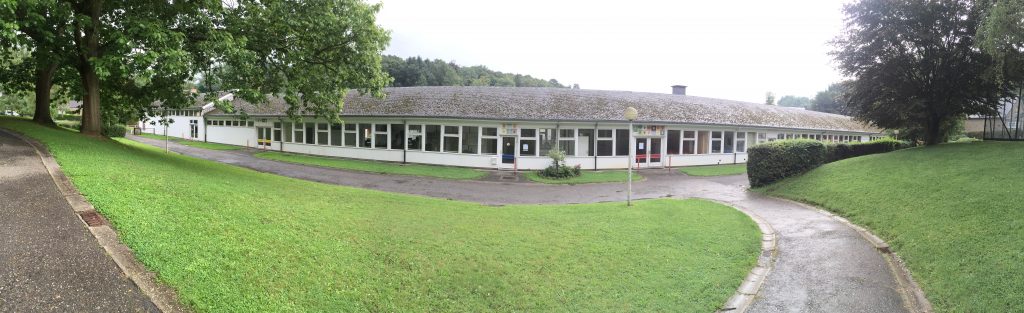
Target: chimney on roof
{"x":679,"y":90}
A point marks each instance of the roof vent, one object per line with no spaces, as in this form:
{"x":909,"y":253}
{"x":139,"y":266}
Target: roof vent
{"x":679,"y":90}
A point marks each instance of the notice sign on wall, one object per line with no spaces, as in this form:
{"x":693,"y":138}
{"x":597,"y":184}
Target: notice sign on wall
{"x":646,"y":131}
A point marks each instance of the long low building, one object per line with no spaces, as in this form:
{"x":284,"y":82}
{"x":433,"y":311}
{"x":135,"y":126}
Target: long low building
{"x":515,"y":128}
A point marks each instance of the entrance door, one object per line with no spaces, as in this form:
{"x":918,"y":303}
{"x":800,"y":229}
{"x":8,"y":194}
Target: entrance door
{"x":193,"y":127}
{"x":508,"y":150}
{"x":648,"y":152}
{"x":263,"y":137}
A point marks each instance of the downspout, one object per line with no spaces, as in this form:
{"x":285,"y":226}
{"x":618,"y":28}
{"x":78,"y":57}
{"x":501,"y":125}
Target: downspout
{"x":593,"y":147}
{"x":405,"y":140}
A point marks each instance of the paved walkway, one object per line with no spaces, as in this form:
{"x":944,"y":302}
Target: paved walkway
{"x":49,"y":261}
{"x":822,"y":265}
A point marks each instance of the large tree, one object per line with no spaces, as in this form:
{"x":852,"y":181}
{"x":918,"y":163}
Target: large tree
{"x":37,"y":41}
{"x":829,"y":100}
{"x":794,"y":101}
{"x":1001,"y":36}
{"x":914,"y":64}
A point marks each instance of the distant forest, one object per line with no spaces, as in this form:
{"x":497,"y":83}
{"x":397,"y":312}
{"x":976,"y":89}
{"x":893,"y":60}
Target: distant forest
{"x":416,"y":71}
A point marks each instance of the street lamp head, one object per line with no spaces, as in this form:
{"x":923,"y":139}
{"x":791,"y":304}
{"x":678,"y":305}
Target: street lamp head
{"x":630,"y":114}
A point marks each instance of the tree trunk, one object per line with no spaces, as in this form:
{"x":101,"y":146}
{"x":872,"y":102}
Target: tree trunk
{"x":933,"y":131}
{"x":88,"y":48}
{"x":44,"y":82}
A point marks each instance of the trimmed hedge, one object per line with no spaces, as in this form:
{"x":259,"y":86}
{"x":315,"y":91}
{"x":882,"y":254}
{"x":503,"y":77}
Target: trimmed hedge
{"x":773,"y":161}
{"x":113,"y":130}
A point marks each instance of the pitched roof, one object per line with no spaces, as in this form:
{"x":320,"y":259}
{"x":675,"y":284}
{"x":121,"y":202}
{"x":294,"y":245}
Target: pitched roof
{"x":564,"y":104}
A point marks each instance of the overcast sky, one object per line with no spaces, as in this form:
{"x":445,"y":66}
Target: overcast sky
{"x":723,"y":49}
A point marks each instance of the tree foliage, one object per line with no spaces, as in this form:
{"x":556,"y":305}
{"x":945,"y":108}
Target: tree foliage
{"x":769,"y":98}
{"x":914,"y":64}
{"x":829,"y":100}
{"x":416,"y":71}
{"x":794,"y":101}
{"x":1001,"y":36}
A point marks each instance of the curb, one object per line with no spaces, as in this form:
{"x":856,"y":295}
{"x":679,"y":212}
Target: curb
{"x":912,"y":294}
{"x":162,"y":296}
{"x":747,"y":291}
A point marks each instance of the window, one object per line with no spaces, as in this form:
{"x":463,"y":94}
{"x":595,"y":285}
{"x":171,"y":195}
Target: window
{"x":469,"y":139}
{"x":489,"y":141}
{"x":209,"y":122}
{"x":380,"y":136}
{"x":415,"y":137}
{"x":605,"y":142}
{"x":673,"y":142}
{"x":351,"y":135}
{"x":451,"y":139}
{"x":277,"y":131}
{"x":322,"y":130}
{"x":365,"y":135}
{"x":703,"y":142}
{"x":622,"y":142}
{"x":251,"y":123}
{"x":298,"y":133}
{"x":716,"y":142}
{"x":567,"y":141}
{"x":397,"y":136}
{"x":547,"y":140}
{"x":741,"y":142}
{"x":730,"y":142}
{"x":761,"y":137}
{"x":310,"y":133}
{"x":527,"y":142}
{"x":587,"y":141}
{"x":689,"y":142}
{"x":336,"y":134}
{"x":287,"y":132}
{"x":433,"y":142}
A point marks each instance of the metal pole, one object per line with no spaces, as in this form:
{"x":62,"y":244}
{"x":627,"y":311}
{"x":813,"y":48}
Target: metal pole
{"x":629,"y":185}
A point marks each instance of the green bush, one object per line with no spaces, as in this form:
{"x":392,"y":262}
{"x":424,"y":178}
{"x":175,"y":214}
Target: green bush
{"x":773,"y":161}
{"x":558,"y":169}
{"x":113,"y":130}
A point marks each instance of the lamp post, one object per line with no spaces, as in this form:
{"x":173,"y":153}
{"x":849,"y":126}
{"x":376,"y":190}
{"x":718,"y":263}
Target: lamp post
{"x":630,"y":116}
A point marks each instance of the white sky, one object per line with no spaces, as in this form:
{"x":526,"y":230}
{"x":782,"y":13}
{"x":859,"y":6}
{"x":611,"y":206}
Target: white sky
{"x":722,"y":49}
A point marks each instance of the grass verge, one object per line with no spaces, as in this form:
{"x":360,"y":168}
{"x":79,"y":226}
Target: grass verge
{"x":953,"y":212}
{"x":232,"y":239}
{"x":714,"y":170}
{"x":192,"y":143}
{"x":586,"y":177}
{"x":446,"y":172}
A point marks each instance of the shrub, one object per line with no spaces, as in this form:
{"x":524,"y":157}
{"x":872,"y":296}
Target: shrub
{"x":558,"y":169}
{"x":773,"y":161}
{"x":113,"y":130}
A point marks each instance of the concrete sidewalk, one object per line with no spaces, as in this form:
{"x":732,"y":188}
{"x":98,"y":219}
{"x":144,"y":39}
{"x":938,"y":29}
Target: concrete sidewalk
{"x":822,"y":264}
{"x":49,"y":261}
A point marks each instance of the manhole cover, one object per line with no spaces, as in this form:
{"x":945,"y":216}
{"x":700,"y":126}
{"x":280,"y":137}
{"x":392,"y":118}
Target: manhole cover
{"x":92,"y":218}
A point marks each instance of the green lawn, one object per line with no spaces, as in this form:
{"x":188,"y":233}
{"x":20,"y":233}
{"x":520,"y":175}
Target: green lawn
{"x":446,"y":172}
{"x":232,"y":239}
{"x":192,"y":143}
{"x":586,"y":177}
{"x":714,"y":170}
{"x":954,"y":213}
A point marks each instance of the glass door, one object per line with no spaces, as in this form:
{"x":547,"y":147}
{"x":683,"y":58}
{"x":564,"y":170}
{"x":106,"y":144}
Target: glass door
{"x":508,"y":150}
{"x":641,"y":155}
{"x":648,"y":152}
{"x":263,"y":137}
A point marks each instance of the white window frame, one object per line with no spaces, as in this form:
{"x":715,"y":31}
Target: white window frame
{"x":740,"y":136}
{"x":457,"y":136}
{"x":575,"y":140}
{"x":711,"y":140}
{"x":683,"y":139}
{"x":480,"y":144}
{"x":598,"y":139}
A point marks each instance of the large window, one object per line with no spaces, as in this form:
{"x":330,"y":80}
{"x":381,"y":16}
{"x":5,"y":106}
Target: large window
{"x":567,"y":141}
{"x":380,"y":136}
{"x":689,"y":142}
{"x":415,"y":137}
{"x":299,"y":133}
{"x":622,"y":142}
{"x":587,"y":141}
{"x":322,"y":130}
{"x":397,"y":136}
{"x":716,"y":142}
{"x":547,"y":139}
{"x":605,"y":142}
{"x":703,"y":142}
{"x":528,"y":142}
{"x":673,"y":142}
{"x":433,"y":142}
{"x":287,"y":132}
{"x":310,"y":133}
{"x":451,"y":139}
{"x":741,"y":142}
{"x":336,"y":134}
{"x":469,"y":139}
{"x":730,"y":142}
{"x":366,"y":135}
{"x":351,"y":135}
{"x":489,"y":141}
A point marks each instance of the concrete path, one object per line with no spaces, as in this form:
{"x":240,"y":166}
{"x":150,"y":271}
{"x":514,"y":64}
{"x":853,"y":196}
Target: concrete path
{"x":49,"y":261}
{"x":822,"y":265}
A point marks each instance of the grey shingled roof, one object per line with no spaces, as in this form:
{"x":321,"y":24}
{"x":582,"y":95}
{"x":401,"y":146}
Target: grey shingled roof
{"x":563,"y":104}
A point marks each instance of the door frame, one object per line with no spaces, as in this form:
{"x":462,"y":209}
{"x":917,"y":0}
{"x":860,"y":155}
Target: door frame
{"x":646,"y":163}
{"x":503,"y":157}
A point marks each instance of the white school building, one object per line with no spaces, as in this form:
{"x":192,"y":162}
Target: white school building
{"x":515,"y":128}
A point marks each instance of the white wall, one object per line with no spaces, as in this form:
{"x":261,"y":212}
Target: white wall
{"x":232,"y":135}
{"x":179,"y":129}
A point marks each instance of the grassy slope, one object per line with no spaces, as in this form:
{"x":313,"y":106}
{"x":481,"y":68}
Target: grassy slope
{"x":191,"y":143}
{"x":231,"y":239}
{"x":954,"y":213}
{"x":714,"y":170}
{"x":447,"y":172}
{"x":586,"y":177}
